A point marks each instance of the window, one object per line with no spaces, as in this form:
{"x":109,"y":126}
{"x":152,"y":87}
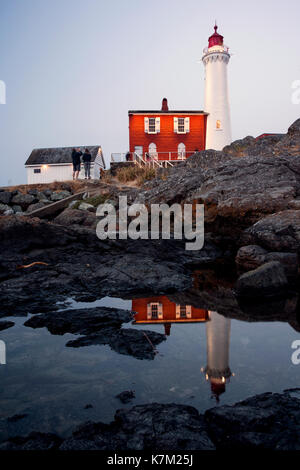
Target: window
{"x":152,"y":125}
{"x":182,"y":311}
{"x":37,"y":170}
{"x":181,"y":125}
{"x":218,"y":124}
{"x":181,"y":151}
{"x":154,"y":311}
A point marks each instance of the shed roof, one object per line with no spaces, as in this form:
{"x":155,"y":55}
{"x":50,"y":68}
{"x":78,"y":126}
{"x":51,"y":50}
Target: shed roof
{"x":57,"y":155}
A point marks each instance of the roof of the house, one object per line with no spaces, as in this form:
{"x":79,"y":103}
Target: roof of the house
{"x":167,"y":112}
{"x":57,"y":155}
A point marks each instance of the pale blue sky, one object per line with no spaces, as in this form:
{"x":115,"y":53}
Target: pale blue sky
{"x":73,"y":68}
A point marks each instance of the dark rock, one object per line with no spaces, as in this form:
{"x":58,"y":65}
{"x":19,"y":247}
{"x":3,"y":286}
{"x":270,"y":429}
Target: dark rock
{"x":48,"y":193}
{"x":100,"y":325}
{"x":126,"y":396}
{"x":15,"y":418}
{"x":17,"y":208}
{"x":58,"y":196}
{"x":32,"y":192}
{"x":266,"y":421}
{"x":268,"y":279}
{"x":34,"y":441}
{"x":88,"y":406}
{"x":5,"y":197}
{"x":4,"y":208}
{"x":4,"y":325}
{"x":130,"y":342}
{"x":145,"y":427}
{"x":276,"y":232}
{"x":252,"y":256}
{"x":81,"y":321}
{"x":270,"y":421}
{"x":23,"y":200}
{"x":33,"y":207}
{"x":70,"y":217}
{"x":294,"y":129}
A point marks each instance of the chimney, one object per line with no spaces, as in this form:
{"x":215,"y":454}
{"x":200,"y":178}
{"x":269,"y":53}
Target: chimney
{"x":164,"y":105}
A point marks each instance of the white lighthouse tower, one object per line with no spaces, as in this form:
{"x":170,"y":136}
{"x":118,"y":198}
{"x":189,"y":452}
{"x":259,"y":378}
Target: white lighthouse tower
{"x":216,"y":102}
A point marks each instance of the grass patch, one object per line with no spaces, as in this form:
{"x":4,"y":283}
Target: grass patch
{"x":132,"y":173}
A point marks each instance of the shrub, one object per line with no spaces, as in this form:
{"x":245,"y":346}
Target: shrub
{"x":132,"y":173}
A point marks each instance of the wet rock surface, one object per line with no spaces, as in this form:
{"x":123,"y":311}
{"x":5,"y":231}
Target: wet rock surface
{"x":268,"y":279}
{"x":77,"y":263}
{"x":252,"y":256}
{"x":266,"y":421}
{"x":126,"y":396}
{"x":4,"y":325}
{"x":100,"y":325}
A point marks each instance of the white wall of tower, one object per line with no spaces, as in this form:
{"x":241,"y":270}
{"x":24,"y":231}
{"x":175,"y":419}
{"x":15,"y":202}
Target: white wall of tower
{"x":216,"y":101}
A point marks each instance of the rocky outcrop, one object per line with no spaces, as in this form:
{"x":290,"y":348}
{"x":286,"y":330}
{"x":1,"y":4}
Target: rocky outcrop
{"x":252,"y":256}
{"x":145,"y":427}
{"x":269,"y":421}
{"x":269,"y":145}
{"x":77,"y":263}
{"x":101,"y":325}
{"x":268,"y":279}
{"x":277,"y":232}
{"x":4,"y":325}
{"x":126,"y":396}
{"x":34,"y":441}
{"x":29,"y":200}
{"x":74,"y":217}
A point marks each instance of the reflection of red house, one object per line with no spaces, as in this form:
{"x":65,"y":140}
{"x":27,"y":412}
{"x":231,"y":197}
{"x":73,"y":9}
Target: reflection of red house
{"x":162,"y":310}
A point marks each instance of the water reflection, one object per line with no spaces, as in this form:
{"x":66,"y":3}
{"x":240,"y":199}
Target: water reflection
{"x":161,"y":310}
{"x":217,"y":370}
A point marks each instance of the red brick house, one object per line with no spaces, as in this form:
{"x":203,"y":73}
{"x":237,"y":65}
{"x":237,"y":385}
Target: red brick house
{"x":165,"y":134}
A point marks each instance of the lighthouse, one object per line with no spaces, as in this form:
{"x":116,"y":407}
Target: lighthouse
{"x":216,"y":101}
{"x":217,"y":370}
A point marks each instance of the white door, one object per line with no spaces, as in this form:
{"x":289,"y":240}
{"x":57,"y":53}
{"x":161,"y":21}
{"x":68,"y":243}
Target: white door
{"x":139,"y":150}
{"x":153,"y":151}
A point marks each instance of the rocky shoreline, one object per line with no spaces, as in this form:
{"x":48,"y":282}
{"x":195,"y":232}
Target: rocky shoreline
{"x":248,"y":269}
{"x":269,"y":421}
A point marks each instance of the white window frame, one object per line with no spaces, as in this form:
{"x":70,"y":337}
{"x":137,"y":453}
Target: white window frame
{"x":159,"y":311}
{"x":188,"y":311}
{"x":156,"y":125}
{"x":186,"y":126}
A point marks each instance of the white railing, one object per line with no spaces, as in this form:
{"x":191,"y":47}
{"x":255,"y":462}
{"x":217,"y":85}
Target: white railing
{"x":149,"y":158}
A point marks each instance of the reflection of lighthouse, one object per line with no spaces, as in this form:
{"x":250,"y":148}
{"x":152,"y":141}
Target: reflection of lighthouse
{"x":217,"y":370}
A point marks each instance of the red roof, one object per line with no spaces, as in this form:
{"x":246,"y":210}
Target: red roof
{"x":215,"y":39}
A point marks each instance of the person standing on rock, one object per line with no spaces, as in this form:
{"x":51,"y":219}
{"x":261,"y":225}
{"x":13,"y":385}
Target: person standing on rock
{"x":76,"y":154}
{"x":86,"y":158}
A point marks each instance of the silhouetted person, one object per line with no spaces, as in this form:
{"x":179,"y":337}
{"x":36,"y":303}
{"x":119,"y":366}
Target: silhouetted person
{"x":76,"y":154}
{"x":86,"y":158}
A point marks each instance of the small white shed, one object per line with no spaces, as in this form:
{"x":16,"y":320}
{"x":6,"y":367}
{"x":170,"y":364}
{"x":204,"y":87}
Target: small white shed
{"x":55,"y":164}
